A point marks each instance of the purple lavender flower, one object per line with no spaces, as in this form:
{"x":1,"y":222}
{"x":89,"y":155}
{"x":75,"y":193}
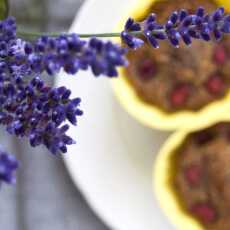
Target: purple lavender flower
{"x":51,"y":54}
{"x":180,"y":26}
{"x":29,"y":108}
{"x":8,"y":29}
{"x":129,"y":39}
{"x":38,"y":112}
{"x":8,"y":166}
{"x":105,"y":57}
{"x":69,"y":52}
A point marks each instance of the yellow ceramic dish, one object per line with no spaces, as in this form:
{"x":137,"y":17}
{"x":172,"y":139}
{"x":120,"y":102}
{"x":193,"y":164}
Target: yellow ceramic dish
{"x":151,"y":115}
{"x":162,"y":174}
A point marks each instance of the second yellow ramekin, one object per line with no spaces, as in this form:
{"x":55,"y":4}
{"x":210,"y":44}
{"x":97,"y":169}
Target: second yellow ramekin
{"x":163,"y":171}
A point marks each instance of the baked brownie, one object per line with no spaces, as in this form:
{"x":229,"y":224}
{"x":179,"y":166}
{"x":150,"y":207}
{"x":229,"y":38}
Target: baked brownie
{"x":187,"y":78}
{"x":202,"y":177}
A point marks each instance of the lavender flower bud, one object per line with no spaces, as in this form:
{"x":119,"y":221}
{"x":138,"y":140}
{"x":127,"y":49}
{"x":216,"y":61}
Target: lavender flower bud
{"x":8,"y":166}
{"x":131,"y":41}
{"x":132,"y":26}
{"x":182,"y":15}
{"x":200,"y":11}
{"x":152,"y":39}
{"x":151,"y":18}
{"x":226,"y":25}
{"x":174,"y":17}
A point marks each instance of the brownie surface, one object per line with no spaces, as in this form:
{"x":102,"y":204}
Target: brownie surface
{"x":187,"y":78}
{"x":202,"y":178}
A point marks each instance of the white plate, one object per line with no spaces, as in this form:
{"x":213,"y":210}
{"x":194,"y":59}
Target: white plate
{"x":112,"y":161}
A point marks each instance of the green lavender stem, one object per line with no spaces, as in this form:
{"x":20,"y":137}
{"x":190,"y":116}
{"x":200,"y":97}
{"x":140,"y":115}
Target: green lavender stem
{"x":33,"y":35}
{"x":98,"y":35}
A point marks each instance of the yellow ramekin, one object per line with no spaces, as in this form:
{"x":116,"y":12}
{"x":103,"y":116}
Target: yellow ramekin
{"x":150,"y":115}
{"x":163,"y":171}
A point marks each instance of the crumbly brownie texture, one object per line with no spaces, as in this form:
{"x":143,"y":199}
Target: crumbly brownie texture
{"x":187,"y":78}
{"x":202,"y":178}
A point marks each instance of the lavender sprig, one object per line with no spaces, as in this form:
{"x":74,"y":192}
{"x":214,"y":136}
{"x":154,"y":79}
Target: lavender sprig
{"x":180,"y":26}
{"x":69,"y":52}
{"x":66,"y":51}
{"x":28,"y":107}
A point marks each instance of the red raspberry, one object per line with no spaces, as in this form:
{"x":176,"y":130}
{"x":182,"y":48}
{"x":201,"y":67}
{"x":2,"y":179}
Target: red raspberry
{"x":147,"y":69}
{"x":215,"y":85}
{"x":203,"y":137}
{"x":193,"y":175}
{"x":179,"y":95}
{"x":204,"y":212}
{"x":219,"y":55}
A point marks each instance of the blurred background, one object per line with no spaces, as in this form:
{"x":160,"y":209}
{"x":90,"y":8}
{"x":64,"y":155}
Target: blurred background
{"x":44,"y":197}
